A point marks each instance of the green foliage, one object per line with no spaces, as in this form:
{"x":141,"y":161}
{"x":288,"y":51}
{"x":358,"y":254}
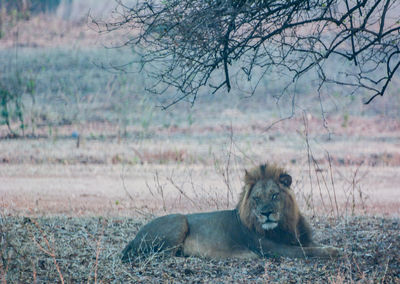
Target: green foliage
{"x":190,"y":119}
{"x":10,"y":13}
{"x":147,"y":115}
{"x":29,"y":6}
{"x":345,"y":120}
{"x":12,"y":92}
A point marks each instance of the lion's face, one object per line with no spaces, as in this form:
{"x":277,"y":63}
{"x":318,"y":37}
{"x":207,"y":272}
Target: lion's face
{"x":267,"y":201}
{"x":266,"y":204}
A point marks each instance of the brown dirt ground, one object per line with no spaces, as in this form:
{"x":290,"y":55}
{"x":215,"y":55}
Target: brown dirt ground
{"x":53,"y":176}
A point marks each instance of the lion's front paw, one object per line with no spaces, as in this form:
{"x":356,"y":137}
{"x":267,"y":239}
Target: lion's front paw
{"x":332,"y":251}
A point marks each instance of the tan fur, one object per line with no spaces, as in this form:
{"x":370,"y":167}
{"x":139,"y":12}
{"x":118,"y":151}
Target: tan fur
{"x":266,"y":222}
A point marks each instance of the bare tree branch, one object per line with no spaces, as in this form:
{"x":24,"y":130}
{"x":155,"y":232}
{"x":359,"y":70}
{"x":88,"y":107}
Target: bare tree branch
{"x":194,"y":45}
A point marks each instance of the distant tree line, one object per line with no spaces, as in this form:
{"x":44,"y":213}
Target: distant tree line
{"x":30,"y":6}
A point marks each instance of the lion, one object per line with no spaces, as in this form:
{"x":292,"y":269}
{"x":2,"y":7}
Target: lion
{"x":266,"y":222}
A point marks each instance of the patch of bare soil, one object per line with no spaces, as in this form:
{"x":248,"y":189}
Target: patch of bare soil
{"x":77,"y":250}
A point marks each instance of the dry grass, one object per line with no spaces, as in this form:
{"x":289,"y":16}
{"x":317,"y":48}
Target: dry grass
{"x":77,"y":250}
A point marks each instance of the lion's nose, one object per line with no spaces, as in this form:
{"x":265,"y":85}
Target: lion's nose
{"x":266,"y":213}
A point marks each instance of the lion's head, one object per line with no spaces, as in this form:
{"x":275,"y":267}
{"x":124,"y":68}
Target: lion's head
{"x":267,"y":202}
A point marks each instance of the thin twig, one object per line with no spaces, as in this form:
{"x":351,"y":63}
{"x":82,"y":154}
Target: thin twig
{"x":50,"y":251}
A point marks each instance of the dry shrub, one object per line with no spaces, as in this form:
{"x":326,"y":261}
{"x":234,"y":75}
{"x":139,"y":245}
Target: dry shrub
{"x":373,"y":160}
{"x":152,"y":157}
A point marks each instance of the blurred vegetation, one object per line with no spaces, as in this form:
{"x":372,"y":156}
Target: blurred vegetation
{"x":12,"y":11}
{"x":30,"y":6}
{"x":66,"y":86}
{"x":54,"y":87}
{"x":11,"y":105}
{"x":47,"y":87}
{"x":69,"y":86}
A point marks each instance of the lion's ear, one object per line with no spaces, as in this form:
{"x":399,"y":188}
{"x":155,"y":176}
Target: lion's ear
{"x":285,"y":179}
{"x":247,"y":176}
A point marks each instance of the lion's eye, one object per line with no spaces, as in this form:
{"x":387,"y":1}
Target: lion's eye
{"x":275,"y":196}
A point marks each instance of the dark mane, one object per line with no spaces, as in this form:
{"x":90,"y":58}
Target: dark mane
{"x":262,"y":172}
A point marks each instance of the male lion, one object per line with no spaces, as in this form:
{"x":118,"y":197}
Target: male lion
{"x":266,"y":222}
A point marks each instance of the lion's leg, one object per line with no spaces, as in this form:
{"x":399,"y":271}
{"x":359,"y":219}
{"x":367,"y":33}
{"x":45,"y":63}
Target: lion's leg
{"x":163,"y":234}
{"x":271,"y":248}
{"x":304,"y":233}
{"x":321,"y":252}
{"x":303,"y":252}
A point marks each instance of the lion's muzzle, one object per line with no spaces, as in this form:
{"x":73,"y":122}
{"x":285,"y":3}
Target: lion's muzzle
{"x":268,"y":219}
